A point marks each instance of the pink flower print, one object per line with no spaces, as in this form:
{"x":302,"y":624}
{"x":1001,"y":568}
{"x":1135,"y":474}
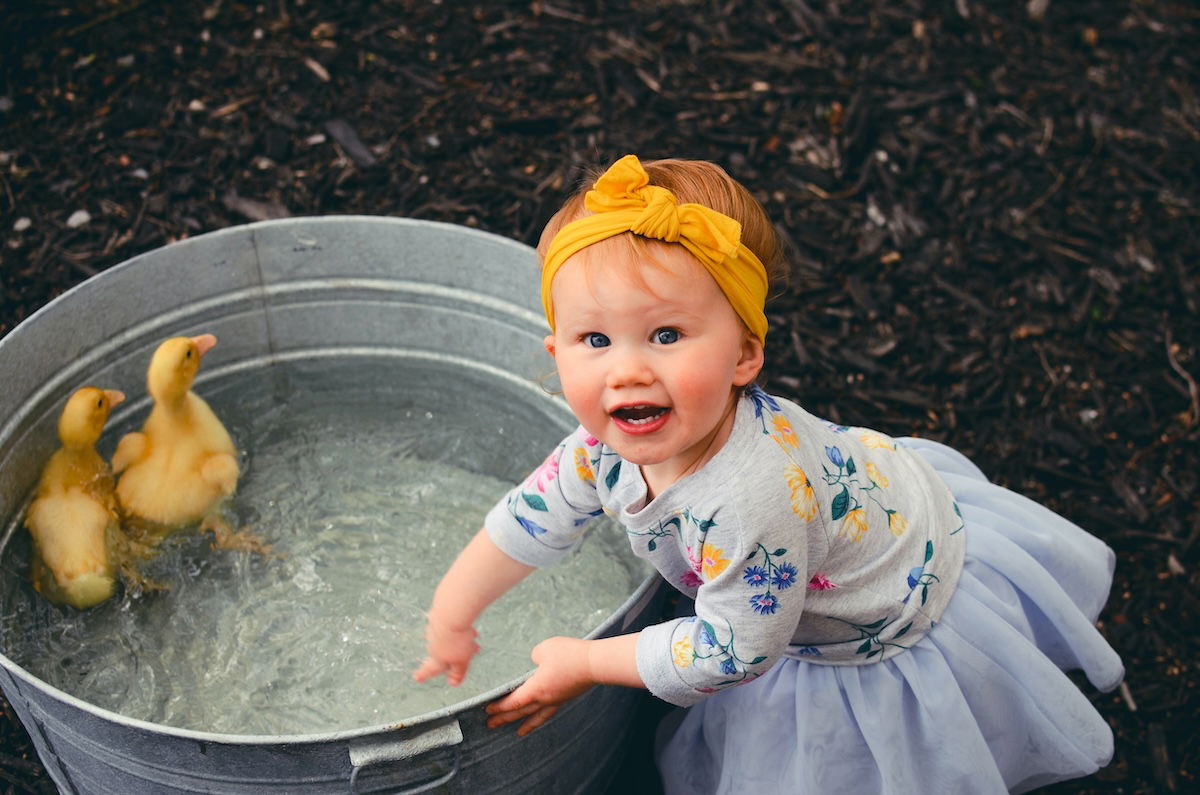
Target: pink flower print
{"x":691,"y":579}
{"x":696,"y":560}
{"x":544,"y":475}
{"x":820,"y":582}
{"x":591,"y":441}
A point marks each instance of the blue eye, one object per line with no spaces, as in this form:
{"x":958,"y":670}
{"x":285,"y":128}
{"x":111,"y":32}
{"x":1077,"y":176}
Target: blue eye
{"x":665,"y":336}
{"x":595,"y":339}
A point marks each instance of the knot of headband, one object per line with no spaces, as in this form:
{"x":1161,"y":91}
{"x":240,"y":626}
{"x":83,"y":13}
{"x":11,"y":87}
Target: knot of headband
{"x":623,"y":200}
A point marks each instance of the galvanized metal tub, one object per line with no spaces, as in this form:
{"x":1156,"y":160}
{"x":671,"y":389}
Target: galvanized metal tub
{"x":334,"y":294}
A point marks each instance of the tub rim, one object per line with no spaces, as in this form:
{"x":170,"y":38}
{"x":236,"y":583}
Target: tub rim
{"x":386,"y":220}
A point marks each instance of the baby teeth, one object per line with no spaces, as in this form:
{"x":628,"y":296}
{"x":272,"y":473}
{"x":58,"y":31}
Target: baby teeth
{"x":655,"y":413}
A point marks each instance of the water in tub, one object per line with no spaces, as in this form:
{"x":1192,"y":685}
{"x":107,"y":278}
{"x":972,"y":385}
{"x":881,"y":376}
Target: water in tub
{"x":366,"y":494}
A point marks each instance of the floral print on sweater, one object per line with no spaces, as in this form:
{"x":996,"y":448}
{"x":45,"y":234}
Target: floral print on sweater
{"x":799,"y":538}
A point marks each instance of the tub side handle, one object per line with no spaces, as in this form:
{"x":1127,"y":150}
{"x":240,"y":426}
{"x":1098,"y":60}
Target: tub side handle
{"x":376,"y":751}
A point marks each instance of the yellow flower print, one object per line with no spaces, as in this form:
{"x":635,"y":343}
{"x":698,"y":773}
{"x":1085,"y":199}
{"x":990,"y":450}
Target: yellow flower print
{"x":897,"y":523}
{"x":683,"y":652}
{"x":712,"y":560}
{"x":877,"y":440}
{"x":854,"y":525}
{"x":877,"y":477}
{"x":784,"y":435}
{"x":583,"y":467}
{"x":804,"y":502}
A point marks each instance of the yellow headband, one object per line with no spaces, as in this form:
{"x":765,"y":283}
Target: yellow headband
{"x":623,"y":200}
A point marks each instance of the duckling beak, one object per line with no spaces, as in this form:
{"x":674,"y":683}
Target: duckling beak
{"x":205,"y":343}
{"x":114,"y":396}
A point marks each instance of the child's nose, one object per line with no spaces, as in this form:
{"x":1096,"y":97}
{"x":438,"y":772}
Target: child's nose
{"x":629,"y":368}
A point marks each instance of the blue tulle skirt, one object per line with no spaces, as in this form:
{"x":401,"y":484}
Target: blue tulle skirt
{"x":980,"y":705}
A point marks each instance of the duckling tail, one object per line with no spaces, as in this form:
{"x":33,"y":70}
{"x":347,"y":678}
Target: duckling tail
{"x":87,"y":590}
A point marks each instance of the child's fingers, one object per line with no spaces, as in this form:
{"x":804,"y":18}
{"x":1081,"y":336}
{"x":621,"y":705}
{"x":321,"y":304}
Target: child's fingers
{"x":456,"y":673}
{"x":429,"y":669}
{"x":537,"y":719}
{"x":515,"y":705}
{"x":514,"y":701}
{"x":497,"y":719}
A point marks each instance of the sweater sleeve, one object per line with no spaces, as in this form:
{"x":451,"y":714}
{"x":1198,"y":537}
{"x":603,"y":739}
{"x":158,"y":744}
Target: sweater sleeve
{"x":747,"y":606}
{"x":541,"y":520}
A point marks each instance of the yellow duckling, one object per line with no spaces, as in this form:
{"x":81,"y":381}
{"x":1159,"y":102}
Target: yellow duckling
{"x":73,"y":516}
{"x":182,"y":465}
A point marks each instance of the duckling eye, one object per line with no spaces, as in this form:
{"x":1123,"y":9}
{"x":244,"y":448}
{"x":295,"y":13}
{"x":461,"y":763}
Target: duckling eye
{"x":100,"y":403}
{"x":189,"y":353}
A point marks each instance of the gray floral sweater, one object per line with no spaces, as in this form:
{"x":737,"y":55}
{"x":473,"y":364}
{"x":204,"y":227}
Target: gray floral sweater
{"x":799,"y":538}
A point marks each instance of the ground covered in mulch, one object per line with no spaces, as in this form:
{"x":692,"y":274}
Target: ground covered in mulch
{"x":991,"y":207}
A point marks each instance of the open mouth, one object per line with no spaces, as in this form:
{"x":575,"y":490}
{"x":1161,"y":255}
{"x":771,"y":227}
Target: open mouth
{"x":641,"y":417}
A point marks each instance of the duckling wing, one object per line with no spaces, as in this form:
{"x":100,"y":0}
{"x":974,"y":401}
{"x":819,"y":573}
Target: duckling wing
{"x":69,"y":529}
{"x":165,"y":487}
{"x":131,"y":448}
{"x":169,"y":486}
{"x":220,"y":470}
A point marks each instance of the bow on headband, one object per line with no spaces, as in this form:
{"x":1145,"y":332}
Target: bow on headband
{"x":622,"y":200}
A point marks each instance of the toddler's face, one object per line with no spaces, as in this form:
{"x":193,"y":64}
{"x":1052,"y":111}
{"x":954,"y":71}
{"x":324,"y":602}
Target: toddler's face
{"x":649,"y":356}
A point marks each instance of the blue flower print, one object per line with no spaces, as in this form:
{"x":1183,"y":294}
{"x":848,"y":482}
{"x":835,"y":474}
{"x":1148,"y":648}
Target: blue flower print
{"x":764,"y":603}
{"x":724,"y":654}
{"x":835,"y":455}
{"x":770,"y":573}
{"x":755,"y":575}
{"x":533,"y":529}
{"x":918,"y":576}
{"x":761,"y":400}
{"x":785,"y":576}
{"x":847,"y":504}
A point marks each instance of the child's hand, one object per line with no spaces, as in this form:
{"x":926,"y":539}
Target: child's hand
{"x":563,"y":672}
{"x":480,"y":574}
{"x":448,"y":650}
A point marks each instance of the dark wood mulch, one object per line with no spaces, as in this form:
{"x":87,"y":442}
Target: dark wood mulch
{"x":992,"y":213}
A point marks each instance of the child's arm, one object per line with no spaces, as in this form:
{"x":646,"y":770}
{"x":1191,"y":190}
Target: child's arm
{"x":480,"y":575}
{"x":566,"y":667}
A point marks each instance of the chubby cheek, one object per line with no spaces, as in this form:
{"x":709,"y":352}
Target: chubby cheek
{"x":703,"y":386}
{"x":589,"y":412}
{"x":584,"y":397}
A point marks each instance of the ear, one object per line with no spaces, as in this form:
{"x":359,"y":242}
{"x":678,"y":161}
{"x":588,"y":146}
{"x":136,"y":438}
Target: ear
{"x":549,"y":343}
{"x":750,"y":361}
